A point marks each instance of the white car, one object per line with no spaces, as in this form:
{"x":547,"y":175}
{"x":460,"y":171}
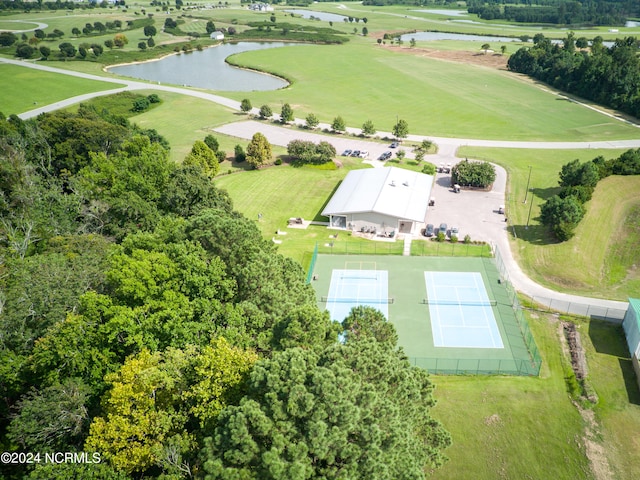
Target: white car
{"x":364,"y":154}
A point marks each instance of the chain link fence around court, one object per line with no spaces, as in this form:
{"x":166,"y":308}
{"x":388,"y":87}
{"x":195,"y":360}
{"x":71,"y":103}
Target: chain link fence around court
{"x":547,"y":304}
{"x":422,"y":248}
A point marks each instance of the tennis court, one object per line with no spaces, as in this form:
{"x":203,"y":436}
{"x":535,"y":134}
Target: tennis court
{"x":461,"y":311}
{"x":452,"y":314}
{"x":355,"y":287}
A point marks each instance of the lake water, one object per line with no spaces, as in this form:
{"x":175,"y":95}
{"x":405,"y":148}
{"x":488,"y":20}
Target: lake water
{"x":325,"y":17}
{"x":208,"y":69}
{"x":432,"y":36}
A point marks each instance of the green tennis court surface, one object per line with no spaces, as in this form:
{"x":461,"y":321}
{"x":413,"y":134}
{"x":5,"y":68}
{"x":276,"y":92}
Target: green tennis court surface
{"x":450,"y":307}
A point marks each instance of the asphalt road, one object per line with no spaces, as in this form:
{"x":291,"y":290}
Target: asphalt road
{"x":446,"y":154}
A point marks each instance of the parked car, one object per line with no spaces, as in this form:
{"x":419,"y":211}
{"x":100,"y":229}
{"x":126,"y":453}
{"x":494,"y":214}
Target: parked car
{"x":453,"y":231}
{"x":346,"y":153}
{"x":364,"y":154}
{"x":355,"y":153}
{"x":443,"y":228}
{"x":394,"y":145}
{"x":428,"y":232}
{"x":385,"y":156}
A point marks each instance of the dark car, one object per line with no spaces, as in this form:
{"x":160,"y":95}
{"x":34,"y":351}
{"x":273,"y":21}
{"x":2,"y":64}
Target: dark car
{"x":355,"y":153}
{"x":428,"y":232}
{"x":443,"y":228}
{"x":394,"y":145}
{"x":346,"y":153}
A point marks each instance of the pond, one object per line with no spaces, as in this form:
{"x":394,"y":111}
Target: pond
{"x":208,"y":69}
{"x":325,"y":17}
{"x":432,"y":36}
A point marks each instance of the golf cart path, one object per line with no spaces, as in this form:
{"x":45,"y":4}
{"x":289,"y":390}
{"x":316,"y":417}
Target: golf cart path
{"x":277,"y":135}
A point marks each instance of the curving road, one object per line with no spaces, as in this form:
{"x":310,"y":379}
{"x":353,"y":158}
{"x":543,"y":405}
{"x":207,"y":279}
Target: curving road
{"x":446,"y":154}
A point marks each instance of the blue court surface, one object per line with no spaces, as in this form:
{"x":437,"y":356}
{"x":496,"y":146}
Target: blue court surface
{"x":461,"y":311}
{"x":352,"y":288}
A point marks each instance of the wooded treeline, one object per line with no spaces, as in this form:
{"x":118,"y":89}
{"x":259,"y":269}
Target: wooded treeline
{"x":144,"y":319}
{"x":559,"y":12}
{"x":608,"y":76}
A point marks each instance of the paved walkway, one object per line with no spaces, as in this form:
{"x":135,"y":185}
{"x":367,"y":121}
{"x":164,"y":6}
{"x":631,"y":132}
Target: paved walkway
{"x":446,"y":154}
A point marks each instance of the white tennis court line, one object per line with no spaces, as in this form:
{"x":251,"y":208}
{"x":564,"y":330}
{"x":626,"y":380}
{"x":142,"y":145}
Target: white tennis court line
{"x":485,"y":333}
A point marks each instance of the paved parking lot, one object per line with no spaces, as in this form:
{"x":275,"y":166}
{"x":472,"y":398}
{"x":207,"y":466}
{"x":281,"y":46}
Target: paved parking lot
{"x":282,"y":136}
{"x":474,"y":212}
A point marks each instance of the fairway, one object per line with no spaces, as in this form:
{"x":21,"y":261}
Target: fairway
{"x":435,"y":97}
{"x":23,"y":89}
{"x":401,"y":298}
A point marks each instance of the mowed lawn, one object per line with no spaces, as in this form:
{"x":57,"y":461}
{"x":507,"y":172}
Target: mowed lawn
{"x":23,"y":89}
{"x":607,"y":244}
{"x":513,"y":428}
{"x":361,"y":81}
{"x":607,"y":249}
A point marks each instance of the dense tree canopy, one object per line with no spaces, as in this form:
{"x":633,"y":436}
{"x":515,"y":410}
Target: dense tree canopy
{"x":136,"y":306}
{"x":609,"y":76}
{"x":357,"y":410}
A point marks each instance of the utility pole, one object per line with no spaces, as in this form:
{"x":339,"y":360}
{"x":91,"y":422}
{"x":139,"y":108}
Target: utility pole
{"x":529,"y":216}
{"x":527,"y":190}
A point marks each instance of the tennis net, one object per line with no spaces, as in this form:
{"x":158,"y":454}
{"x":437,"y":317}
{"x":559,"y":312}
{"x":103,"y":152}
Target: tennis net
{"x":490,"y":303}
{"x":358,"y":300}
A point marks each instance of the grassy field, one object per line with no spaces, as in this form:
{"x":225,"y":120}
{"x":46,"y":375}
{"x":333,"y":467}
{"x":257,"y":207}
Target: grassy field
{"x":602,"y":239}
{"x":508,"y":428}
{"x":23,"y":89}
{"x":435,"y":97}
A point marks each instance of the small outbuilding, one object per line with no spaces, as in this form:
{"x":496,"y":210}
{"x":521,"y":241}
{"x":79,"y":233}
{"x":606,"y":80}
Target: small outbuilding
{"x":217,"y":35}
{"x":382,"y":201}
{"x":631,"y":326}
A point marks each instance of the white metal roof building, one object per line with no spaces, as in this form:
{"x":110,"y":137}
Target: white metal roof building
{"x":380,"y":200}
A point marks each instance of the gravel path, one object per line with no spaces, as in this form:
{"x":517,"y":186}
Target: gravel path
{"x":446,"y":154}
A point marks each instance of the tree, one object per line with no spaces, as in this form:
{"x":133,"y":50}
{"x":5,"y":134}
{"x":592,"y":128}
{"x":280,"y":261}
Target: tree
{"x":503,"y":49}
{"x":286,"y":114}
{"x":562,"y":215}
{"x":151,"y":42}
{"x":45,"y":51}
{"x":258,"y":151}
{"x":401,"y":129}
{"x":245,"y":105}
{"x":412,"y":42}
{"x":142,"y":45}
{"x":265,"y":112}
{"x":474,"y":174}
{"x":55,"y":417}
{"x":25,"y":51}
{"x":575,"y":174}
{"x":212,"y":142}
{"x":75,"y":31}
{"x":400,"y":154}
{"x":150,"y":31}
{"x":350,"y":411}
{"x":338,"y":125}
{"x":211,"y":27}
{"x":312,"y":121}
{"x":239,"y":153}
{"x":109,"y":43}
{"x":7,"y":39}
{"x":100,"y":27}
{"x":39,"y":34}
{"x":365,"y":31}
{"x":368,"y":128}
{"x":120,"y":40}
{"x":202,"y":156}
{"x":96,"y":49}
{"x":67,"y":49}
{"x":485,"y":47}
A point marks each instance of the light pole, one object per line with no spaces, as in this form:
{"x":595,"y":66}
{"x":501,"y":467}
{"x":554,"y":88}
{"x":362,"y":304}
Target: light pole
{"x":527,"y":190}
{"x":529,"y":216}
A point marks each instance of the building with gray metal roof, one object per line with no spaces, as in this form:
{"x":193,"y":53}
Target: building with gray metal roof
{"x":380,"y":201}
